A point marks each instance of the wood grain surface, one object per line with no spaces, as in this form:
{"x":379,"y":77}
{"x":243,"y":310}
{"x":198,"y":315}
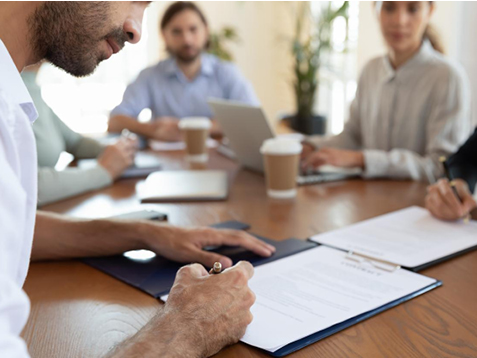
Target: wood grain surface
{"x":78,"y":311}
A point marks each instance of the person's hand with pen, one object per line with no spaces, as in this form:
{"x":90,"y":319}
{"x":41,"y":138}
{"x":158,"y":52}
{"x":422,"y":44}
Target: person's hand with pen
{"x":204,"y":311}
{"x":219,"y":305}
{"x":117,"y":157}
{"x":442,"y":201}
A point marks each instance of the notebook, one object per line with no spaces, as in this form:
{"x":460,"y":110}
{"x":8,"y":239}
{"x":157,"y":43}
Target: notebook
{"x":184,"y":185}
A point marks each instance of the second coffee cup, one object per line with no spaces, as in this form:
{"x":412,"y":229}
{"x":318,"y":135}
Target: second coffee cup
{"x":281,"y":159}
{"x":195,"y":132}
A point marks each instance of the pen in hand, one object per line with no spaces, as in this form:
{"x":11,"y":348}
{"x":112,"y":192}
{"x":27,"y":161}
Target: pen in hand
{"x":126,"y":133}
{"x":448,"y":175}
{"x":216,"y":269}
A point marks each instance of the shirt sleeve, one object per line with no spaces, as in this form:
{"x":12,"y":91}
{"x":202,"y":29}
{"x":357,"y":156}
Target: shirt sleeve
{"x":136,"y":97}
{"x":448,"y":126}
{"x":54,"y":185}
{"x":237,"y":88}
{"x":14,"y":304}
{"x":79,"y":146}
{"x":463,"y":164}
{"x":14,"y":309}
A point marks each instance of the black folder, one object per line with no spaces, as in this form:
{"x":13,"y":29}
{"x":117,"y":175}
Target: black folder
{"x":156,"y":275}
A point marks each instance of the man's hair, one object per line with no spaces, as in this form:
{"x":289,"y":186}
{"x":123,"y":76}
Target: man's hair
{"x":178,"y":7}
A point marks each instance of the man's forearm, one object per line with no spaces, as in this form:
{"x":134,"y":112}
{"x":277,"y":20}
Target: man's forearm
{"x":161,"y":337}
{"x":59,"y":237}
{"x":119,"y":122}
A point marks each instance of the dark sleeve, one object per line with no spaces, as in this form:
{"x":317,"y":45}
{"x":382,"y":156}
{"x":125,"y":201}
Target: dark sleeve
{"x":463,"y":164}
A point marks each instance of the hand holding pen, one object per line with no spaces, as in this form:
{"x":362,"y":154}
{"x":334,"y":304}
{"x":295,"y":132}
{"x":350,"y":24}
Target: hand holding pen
{"x":450,"y":199}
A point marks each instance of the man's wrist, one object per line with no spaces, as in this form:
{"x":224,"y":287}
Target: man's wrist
{"x":164,"y":335}
{"x":177,"y":338}
{"x":143,"y":129}
{"x":152,"y":235}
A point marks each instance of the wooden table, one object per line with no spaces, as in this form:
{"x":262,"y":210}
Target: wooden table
{"x":78,"y":311}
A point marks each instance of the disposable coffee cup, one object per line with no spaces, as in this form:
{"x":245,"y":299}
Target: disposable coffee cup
{"x":195,"y":131}
{"x":281,"y":158}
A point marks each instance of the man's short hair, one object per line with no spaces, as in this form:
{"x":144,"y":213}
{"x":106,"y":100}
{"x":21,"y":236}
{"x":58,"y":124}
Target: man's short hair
{"x":178,"y":7}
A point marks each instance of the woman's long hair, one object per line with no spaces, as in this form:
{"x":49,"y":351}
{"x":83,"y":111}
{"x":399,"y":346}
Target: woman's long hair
{"x":434,"y":38}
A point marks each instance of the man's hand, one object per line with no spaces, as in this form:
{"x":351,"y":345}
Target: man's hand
{"x":165,"y":129}
{"x":116,"y":158}
{"x":443,"y":203}
{"x":203,"y":314}
{"x":215,"y":310}
{"x":337,"y":157}
{"x":186,"y":245}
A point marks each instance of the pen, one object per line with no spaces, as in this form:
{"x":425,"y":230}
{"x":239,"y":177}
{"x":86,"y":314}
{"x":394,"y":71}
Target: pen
{"x":452,"y":183}
{"x":125,"y":133}
{"x":216,"y":269}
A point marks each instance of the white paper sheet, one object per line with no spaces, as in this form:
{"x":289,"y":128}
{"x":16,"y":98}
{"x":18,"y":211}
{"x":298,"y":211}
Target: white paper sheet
{"x":316,"y":289}
{"x":410,"y":237}
{"x":144,"y":164}
{"x":172,"y":146}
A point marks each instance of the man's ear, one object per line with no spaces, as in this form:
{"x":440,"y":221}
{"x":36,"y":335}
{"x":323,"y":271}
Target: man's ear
{"x":431,"y":8}
{"x":207,"y":37}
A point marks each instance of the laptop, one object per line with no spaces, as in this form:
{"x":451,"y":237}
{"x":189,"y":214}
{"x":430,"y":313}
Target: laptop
{"x":246,"y":127}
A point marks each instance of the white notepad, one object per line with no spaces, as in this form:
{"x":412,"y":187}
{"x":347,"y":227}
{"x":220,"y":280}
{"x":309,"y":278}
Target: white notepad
{"x":410,"y":237}
{"x":144,"y":164}
{"x":184,"y":185}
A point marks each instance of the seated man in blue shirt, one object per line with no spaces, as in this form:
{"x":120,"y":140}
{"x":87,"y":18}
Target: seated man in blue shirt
{"x":180,"y":85}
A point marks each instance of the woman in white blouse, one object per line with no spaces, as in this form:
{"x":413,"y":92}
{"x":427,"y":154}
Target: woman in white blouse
{"x":411,"y":107}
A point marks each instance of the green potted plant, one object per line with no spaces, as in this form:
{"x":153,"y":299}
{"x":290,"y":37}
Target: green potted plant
{"x":217,"y":41}
{"x":309,"y":50}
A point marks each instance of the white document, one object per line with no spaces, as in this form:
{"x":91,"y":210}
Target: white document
{"x":144,"y":164}
{"x":410,"y":237}
{"x":316,"y":289}
{"x":171,"y":146}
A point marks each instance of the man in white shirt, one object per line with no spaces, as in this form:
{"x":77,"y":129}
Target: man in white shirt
{"x":76,"y":36}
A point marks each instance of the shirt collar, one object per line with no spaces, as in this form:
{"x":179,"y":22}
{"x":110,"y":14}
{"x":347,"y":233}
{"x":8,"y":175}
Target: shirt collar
{"x":207,"y":66}
{"x":11,"y":83}
{"x":425,"y":52}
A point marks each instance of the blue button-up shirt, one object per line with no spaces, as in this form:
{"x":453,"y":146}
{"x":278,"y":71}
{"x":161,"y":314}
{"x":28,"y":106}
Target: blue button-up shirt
{"x":165,"y":90}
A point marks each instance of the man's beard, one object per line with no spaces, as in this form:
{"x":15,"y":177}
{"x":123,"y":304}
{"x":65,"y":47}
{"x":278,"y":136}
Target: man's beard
{"x":183,"y":57}
{"x":68,"y":34}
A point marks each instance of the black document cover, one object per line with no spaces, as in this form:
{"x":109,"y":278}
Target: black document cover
{"x":156,"y":276}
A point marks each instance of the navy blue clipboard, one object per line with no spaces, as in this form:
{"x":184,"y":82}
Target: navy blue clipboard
{"x":156,"y":275}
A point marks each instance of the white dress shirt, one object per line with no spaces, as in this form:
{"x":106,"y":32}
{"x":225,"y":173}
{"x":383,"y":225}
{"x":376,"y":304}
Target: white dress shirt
{"x":404,"y":120}
{"x":18,"y":193}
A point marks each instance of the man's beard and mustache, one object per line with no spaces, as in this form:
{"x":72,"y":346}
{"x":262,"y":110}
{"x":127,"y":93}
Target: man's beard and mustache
{"x":68,"y":34}
{"x":185,"y":55}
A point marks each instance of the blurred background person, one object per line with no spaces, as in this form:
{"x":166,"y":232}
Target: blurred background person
{"x":54,"y":137}
{"x":441,"y":200}
{"x":411,"y":107}
{"x":180,"y":85}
